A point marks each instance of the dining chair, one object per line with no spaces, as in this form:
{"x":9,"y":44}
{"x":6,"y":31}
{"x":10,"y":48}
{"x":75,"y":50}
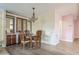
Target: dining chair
{"x":37,"y":39}
{"x":23,"y":39}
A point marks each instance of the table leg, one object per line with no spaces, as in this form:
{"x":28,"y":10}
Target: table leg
{"x":30,"y":42}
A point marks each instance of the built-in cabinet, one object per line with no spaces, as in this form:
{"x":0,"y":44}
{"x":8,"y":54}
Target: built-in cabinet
{"x":11,"y":39}
{"x":15,"y":24}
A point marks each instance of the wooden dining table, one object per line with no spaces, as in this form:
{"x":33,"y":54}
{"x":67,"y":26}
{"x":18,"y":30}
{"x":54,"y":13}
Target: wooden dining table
{"x":30,"y":37}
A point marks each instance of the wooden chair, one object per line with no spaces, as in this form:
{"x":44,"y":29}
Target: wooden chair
{"x":37,"y":39}
{"x":23,"y":39}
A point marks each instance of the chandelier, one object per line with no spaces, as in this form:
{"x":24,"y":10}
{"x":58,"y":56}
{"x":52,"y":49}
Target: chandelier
{"x":33,"y":18}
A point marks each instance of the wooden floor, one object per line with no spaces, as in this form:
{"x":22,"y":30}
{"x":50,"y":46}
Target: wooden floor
{"x":69,"y":47}
{"x":63,"y":48}
{"x":17,"y":50}
{"x":3,"y":51}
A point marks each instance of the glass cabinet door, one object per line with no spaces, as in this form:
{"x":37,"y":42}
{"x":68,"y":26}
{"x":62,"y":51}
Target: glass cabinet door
{"x":18,"y":24}
{"x":24,"y":25}
{"x":10,"y":24}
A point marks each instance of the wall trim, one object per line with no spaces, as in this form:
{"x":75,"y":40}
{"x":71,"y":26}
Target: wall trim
{"x":67,"y":40}
{"x":50,"y":43}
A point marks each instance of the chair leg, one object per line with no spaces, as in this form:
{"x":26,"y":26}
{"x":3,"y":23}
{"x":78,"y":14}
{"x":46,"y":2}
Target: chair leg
{"x":38,"y":44}
{"x":35,"y":44}
{"x":30,"y":44}
{"x":21,"y":44}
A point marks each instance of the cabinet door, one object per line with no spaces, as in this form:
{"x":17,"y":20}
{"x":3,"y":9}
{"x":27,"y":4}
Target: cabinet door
{"x":8,"y":40}
{"x":13,"y":40}
{"x":19,"y":24}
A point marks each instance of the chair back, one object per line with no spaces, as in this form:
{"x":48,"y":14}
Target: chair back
{"x":22,"y":36}
{"x":38,"y":34}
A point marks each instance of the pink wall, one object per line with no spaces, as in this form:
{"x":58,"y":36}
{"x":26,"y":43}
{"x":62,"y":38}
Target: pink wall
{"x":65,"y":9}
{"x":76,"y":29}
{"x":67,"y":28}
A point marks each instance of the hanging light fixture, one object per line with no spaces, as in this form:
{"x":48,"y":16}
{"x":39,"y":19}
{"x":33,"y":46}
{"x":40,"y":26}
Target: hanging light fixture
{"x":33,"y":18}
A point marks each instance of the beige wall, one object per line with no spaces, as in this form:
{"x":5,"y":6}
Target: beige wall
{"x":2,"y":27}
{"x":45,"y":23}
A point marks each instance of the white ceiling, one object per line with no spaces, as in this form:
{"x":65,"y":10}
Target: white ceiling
{"x":25,"y":9}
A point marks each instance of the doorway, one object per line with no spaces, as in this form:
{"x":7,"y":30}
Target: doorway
{"x":67,"y":31}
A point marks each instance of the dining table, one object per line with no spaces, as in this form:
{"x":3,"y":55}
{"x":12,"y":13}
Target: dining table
{"x":30,"y":37}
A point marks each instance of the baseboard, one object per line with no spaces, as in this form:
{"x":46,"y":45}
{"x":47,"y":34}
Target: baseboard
{"x":50,"y":43}
{"x":67,"y":40}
